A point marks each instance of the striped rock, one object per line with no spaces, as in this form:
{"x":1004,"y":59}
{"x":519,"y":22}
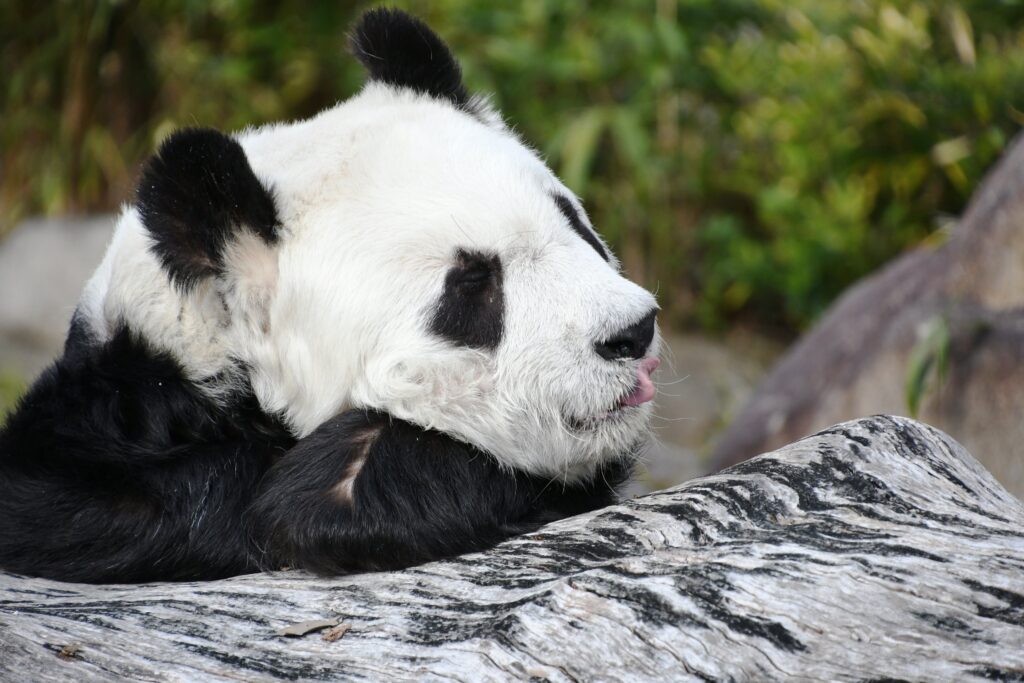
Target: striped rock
{"x":875,"y":549}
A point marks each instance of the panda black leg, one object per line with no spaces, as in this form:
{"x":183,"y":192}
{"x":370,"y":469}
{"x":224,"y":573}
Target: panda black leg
{"x":367,"y":491}
{"x":116,"y":467}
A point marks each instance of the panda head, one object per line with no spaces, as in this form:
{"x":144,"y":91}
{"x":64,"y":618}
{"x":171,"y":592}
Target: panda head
{"x":403,"y":251}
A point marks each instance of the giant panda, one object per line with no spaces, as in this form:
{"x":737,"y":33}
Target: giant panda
{"x":370,"y":339}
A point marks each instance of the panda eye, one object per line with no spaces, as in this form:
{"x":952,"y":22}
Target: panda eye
{"x":473,"y":270}
{"x":471,"y":309}
{"x":474,"y":276}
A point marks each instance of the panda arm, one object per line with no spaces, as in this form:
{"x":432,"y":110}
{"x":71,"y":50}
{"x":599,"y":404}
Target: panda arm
{"x":114,"y":467}
{"x":367,"y":491}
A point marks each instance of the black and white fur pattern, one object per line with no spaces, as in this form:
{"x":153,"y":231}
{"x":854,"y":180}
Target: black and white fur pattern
{"x":376,"y":337}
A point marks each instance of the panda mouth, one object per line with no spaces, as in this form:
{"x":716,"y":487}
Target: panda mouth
{"x":643,"y":391}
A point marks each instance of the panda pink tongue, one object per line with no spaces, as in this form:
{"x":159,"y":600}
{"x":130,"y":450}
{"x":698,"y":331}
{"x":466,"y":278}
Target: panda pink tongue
{"x":644,"y":390}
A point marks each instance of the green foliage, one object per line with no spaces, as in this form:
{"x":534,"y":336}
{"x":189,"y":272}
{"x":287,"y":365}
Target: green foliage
{"x":856,"y":131}
{"x":750,"y":158}
{"x":11,"y":389}
{"x":929,"y":363}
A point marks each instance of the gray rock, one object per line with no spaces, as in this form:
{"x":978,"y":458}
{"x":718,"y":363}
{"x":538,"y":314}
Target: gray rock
{"x":875,"y":550}
{"x":702,"y":384}
{"x":44,"y":264}
{"x":857,"y":360}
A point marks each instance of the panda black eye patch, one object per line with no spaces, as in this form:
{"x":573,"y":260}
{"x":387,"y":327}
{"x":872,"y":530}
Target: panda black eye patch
{"x":471,"y":309}
{"x":576,"y":223}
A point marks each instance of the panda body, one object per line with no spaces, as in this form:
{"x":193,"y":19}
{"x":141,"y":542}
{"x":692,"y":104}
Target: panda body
{"x":380,"y":336}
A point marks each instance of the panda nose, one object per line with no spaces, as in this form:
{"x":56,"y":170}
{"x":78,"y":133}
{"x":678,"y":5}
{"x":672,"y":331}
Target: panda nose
{"x":629,"y":342}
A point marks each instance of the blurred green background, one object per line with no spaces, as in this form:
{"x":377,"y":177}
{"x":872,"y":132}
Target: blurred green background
{"x":749,"y":159}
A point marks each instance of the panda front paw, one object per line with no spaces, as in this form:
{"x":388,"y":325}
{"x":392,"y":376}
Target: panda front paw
{"x":367,"y":491}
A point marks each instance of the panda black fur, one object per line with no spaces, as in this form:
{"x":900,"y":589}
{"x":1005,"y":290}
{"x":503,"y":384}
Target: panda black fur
{"x":222,"y":406}
{"x":367,"y":491}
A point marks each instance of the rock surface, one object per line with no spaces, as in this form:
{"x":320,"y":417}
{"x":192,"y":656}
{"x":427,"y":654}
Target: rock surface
{"x":857,"y":360}
{"x":43,"y":266}
{"x":702,"y":384}
{"x":876,"y":549}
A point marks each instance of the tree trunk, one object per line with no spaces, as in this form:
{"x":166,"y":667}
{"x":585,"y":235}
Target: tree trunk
{"x":878,"y":548}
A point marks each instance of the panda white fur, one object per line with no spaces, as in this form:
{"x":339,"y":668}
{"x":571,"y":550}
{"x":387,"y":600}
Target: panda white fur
{"x":376,"y":337}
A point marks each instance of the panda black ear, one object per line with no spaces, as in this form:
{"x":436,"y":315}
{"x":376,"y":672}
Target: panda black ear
{"x":400,"y":50}
{"x":196,"y":193}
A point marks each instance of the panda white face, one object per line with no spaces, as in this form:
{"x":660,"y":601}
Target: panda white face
{"x":432,"y":267}
{"x":424,"y":262}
